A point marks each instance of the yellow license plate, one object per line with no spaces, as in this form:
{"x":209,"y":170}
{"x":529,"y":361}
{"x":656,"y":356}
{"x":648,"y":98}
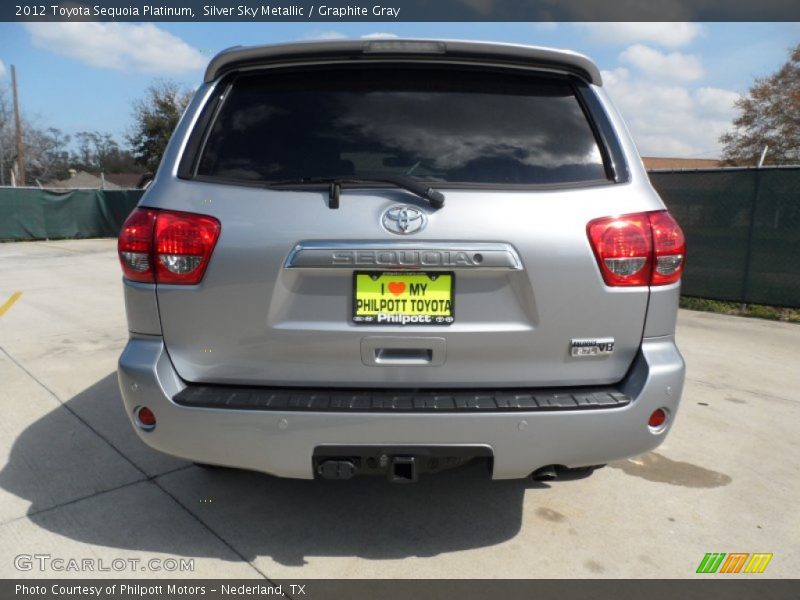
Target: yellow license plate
{"x":402,"y":298}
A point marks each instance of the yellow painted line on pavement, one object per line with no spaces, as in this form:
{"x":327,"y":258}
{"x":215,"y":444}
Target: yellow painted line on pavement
{"x":9,"y":303}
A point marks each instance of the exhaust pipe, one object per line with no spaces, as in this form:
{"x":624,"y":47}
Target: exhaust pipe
{"x":546,"y":473}
{"x":336,"y":469}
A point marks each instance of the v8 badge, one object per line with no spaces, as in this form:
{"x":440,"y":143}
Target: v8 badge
{"x":591,"y":346}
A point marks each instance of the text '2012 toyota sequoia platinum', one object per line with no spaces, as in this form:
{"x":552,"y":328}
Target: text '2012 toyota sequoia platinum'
{"x":393,"y":256}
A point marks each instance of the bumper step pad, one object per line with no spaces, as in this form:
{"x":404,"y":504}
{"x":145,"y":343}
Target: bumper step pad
{"x":408,"y":401}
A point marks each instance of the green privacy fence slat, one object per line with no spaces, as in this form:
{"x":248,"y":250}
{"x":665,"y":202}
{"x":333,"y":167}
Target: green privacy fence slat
{"x":34,"y":214}
{"x":742,"y":231}
{"x":742,"y":227}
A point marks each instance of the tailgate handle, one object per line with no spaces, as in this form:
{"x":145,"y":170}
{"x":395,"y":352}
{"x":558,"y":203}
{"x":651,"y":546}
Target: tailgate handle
{"x":403,"y":356}
{"x":385,"y":351}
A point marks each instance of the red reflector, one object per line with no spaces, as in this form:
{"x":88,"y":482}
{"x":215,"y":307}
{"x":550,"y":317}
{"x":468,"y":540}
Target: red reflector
{"x":166,"y":246}
{"x":658,"y":418}
{"x":638,"y":249}
{"x":146,"y":417}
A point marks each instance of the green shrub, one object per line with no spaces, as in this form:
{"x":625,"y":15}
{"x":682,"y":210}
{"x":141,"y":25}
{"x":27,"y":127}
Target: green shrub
{"x":760,"y":311}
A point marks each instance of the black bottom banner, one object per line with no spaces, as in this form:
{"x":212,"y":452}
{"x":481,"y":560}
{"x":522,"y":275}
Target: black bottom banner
{"x":381,"y":589}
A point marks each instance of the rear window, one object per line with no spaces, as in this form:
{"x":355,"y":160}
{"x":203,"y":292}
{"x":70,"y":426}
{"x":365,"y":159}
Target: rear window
{"x":438,"y":125}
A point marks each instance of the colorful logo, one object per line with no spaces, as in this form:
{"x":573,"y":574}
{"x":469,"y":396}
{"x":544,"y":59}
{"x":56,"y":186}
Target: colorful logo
{"x":734,"y":562}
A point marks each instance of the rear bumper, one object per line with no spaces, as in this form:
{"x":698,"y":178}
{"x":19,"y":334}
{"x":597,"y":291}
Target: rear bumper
{"x":282,"y":441}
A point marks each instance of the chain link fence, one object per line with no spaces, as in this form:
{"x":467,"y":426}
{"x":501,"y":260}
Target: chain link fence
{"x":38,"y":214}
{"x":742,"y":230}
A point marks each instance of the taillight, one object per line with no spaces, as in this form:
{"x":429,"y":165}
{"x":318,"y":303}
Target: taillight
{"x":135,"y":245}
{"x":669,"y":248}
{"x":623,"y":247}
{"x":164,"y":246}
{"x":184,"y":243}
{"x":638,"y":249}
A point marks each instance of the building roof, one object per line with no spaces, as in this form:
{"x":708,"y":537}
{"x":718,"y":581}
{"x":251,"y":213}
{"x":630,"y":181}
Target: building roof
{"x":658,"y":163}
{"x":125,"y":180}
{"x":98,"y":181}
{"x":83,"y":180}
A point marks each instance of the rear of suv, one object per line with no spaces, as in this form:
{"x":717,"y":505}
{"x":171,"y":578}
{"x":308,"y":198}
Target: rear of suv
{"x":394,"y":256}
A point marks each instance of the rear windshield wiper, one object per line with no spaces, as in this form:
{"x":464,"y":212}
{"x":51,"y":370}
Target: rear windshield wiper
{"x":419,"y":188}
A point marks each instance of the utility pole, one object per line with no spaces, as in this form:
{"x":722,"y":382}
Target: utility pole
{"x":2,"y":163}
{"x":20,"y":149}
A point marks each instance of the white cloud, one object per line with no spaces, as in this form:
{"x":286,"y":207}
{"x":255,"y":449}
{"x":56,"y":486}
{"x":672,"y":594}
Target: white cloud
{"x":669,"y":119}
{"x":717,"y":101}
{"x":2,"y":69}
{"x":378,"y":35}
{"x":671,"y":35}
{"x":324,"y":35}
{"x":659,"y":65}
{"x":123,"y":46}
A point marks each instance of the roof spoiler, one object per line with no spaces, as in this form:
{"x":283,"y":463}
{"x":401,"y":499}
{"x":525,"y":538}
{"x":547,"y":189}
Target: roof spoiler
{"x":240,"y":57}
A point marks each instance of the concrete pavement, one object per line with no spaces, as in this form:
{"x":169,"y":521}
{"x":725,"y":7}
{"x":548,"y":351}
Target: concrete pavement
{"x":76,"y":483}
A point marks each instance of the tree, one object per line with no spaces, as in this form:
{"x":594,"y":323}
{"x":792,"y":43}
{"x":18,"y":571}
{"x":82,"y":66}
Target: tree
{"x":155,"y":117}
{"x":768,"y":116}
{"x":46,"y":154}
{"x":98,"y":151}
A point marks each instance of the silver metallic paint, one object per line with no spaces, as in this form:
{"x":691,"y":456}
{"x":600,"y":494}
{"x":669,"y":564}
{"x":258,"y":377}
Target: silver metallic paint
{"x":255,"y":321}
{"x":282,"y":442}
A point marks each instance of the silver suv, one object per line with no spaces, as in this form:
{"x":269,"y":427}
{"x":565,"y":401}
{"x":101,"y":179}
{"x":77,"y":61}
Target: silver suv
{"x":394,"y":256}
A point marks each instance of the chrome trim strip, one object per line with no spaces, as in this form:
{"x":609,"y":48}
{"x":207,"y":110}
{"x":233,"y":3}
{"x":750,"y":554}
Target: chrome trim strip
{"x":430,"y":256}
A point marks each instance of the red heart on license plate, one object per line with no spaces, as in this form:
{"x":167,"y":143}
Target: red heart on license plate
{"x":397,"y":287}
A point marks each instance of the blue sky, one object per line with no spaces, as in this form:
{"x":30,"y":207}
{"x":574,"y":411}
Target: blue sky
{"x":674,"y":83}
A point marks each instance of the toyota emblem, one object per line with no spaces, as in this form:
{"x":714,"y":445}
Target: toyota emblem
{"x":403,"y":220}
